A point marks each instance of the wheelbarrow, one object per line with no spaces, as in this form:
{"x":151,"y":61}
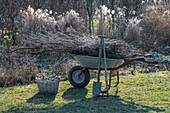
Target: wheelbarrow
{"x":79,"y":76}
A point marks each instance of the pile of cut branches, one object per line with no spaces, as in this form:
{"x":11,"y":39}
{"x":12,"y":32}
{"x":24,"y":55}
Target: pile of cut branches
{"x":73,"y":44}
{"x":117,"y":49}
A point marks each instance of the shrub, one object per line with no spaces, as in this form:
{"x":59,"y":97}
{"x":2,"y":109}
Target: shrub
{"x":71,"y":20}
{"x":132,"y":31}
{"x":41,"y":21}
{"x":156,"y":25}
{"x":8,"y":73}
{"x":8,"y":76}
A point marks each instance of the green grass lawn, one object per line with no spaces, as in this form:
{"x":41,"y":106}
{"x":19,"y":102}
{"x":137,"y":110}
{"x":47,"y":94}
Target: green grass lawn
{"x":137,"y":93}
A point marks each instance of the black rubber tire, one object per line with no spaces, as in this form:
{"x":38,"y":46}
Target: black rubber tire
{"x":83,"y":83}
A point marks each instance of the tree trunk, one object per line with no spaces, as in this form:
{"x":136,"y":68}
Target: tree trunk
{"x":89,"y":11}
{"x":112,"y":8}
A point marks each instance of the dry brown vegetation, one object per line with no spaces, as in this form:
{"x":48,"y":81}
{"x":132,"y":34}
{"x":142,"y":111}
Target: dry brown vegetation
{"x":152,"y":31}
{"x":156,"y":26}
{"x":8,"y":74}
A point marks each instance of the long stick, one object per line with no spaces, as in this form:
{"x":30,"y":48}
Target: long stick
{"x":104,"y":52}
{"x":99,"y":64}
{"x":101,"y":19}
{"x":105,"y":65}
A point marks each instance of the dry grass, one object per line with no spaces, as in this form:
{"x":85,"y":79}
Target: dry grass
{"x":132,"y":32}
{"x":40,"y":21}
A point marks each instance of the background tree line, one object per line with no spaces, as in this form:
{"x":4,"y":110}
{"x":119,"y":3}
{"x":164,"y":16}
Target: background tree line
{"x":86,"y":8}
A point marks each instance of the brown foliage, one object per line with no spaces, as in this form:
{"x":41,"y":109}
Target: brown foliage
{"x":132,"y":33}
{"x":156,"y":26}
{"x":7,"y":72}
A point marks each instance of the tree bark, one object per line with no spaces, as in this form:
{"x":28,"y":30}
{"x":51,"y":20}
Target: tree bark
{"x":89,"y":11}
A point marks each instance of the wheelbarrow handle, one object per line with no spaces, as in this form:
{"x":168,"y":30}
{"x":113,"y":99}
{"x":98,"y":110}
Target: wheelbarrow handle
{"x":140,"y":59}
{"x":148,"y":55}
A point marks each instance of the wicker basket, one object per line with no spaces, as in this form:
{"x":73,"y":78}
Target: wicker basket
{"x":48,"y":86}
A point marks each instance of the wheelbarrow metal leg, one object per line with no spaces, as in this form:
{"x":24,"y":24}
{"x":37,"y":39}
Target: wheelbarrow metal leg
{"x":117,"y":80}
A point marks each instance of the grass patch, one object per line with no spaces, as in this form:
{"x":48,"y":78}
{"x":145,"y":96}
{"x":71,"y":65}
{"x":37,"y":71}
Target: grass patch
{"x":138,"y":93}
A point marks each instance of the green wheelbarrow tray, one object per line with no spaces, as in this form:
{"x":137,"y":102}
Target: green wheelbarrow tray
{"x":92,"y":62}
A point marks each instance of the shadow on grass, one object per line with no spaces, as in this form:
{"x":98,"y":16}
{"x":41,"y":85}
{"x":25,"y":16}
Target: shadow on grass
{"x":81,"y":104}
{"x":75,"y":93}
{"x":100,"y":104}
{"x":40,"y":98}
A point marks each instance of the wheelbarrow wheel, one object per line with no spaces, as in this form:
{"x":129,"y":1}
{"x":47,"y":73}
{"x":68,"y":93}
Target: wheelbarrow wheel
{"x":80,"y":82}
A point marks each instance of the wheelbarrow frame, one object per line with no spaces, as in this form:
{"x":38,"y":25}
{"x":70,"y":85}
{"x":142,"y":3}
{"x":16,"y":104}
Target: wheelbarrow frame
{"x":111,"y":71}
